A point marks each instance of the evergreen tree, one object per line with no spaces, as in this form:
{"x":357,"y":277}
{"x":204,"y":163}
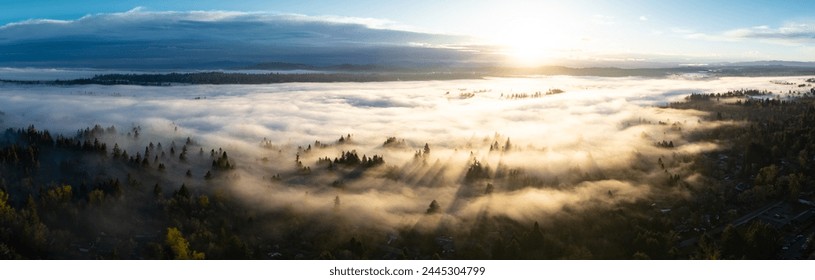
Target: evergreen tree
{"x":433,"y":208}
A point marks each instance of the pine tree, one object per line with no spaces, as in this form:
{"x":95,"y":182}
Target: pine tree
{"x":433,"y":208}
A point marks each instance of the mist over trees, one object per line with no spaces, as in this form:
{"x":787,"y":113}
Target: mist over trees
{"x":126,"y":193}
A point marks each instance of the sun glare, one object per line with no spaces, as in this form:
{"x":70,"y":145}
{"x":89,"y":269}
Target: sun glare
{"x":533,"y":42}
{"x":534,"y":39}
{"x":527,"y":49}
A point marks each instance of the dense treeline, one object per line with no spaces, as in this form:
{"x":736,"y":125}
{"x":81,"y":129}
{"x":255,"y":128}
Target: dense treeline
{"x":71,"y":197}
{"x":766,"y":161}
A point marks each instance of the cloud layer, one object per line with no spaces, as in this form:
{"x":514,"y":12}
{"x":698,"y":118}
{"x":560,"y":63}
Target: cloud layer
{"x":141,"y":39}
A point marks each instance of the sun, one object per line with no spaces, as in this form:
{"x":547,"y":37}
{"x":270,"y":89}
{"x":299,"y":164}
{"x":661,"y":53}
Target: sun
{"x":527,"y":50}
{"x":534,"y":41}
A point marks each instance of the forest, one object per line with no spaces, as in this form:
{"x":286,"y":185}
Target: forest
{"x":101,"y":194}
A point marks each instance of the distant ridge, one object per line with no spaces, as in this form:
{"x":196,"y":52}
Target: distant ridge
{"x":280,"y":66}
{"x":774,"y":63}
{"x":754,"y":68}
{"x":345,"y":67}
{"x":380,"y":73}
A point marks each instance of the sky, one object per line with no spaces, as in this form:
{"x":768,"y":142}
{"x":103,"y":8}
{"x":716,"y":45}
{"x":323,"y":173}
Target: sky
{"x":523,"y":32}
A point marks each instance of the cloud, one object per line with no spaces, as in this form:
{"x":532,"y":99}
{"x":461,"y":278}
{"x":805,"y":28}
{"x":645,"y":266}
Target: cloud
{"x":791,"y":34}
{"x":571,"y":149}
{"x":603,"y":20}
{"x":198,"y":38}
{"x":800,"y":35}
{"x":793,"y":31}
{"x":643,"y":18}
{"x":142,"y":20}
{"x":680,"y":30}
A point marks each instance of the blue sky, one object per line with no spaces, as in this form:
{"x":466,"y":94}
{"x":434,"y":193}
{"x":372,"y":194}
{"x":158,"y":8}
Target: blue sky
{"x":536,"y":32}
{"x":704,"y":15}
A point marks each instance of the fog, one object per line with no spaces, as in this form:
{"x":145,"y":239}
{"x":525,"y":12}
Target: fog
{"x":590,"y":147}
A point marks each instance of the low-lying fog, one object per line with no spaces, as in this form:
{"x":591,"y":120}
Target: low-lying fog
{"x":584,"y":147}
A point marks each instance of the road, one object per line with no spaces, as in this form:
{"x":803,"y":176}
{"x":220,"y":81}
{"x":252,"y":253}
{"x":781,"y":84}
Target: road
{"x":737,"y":222}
